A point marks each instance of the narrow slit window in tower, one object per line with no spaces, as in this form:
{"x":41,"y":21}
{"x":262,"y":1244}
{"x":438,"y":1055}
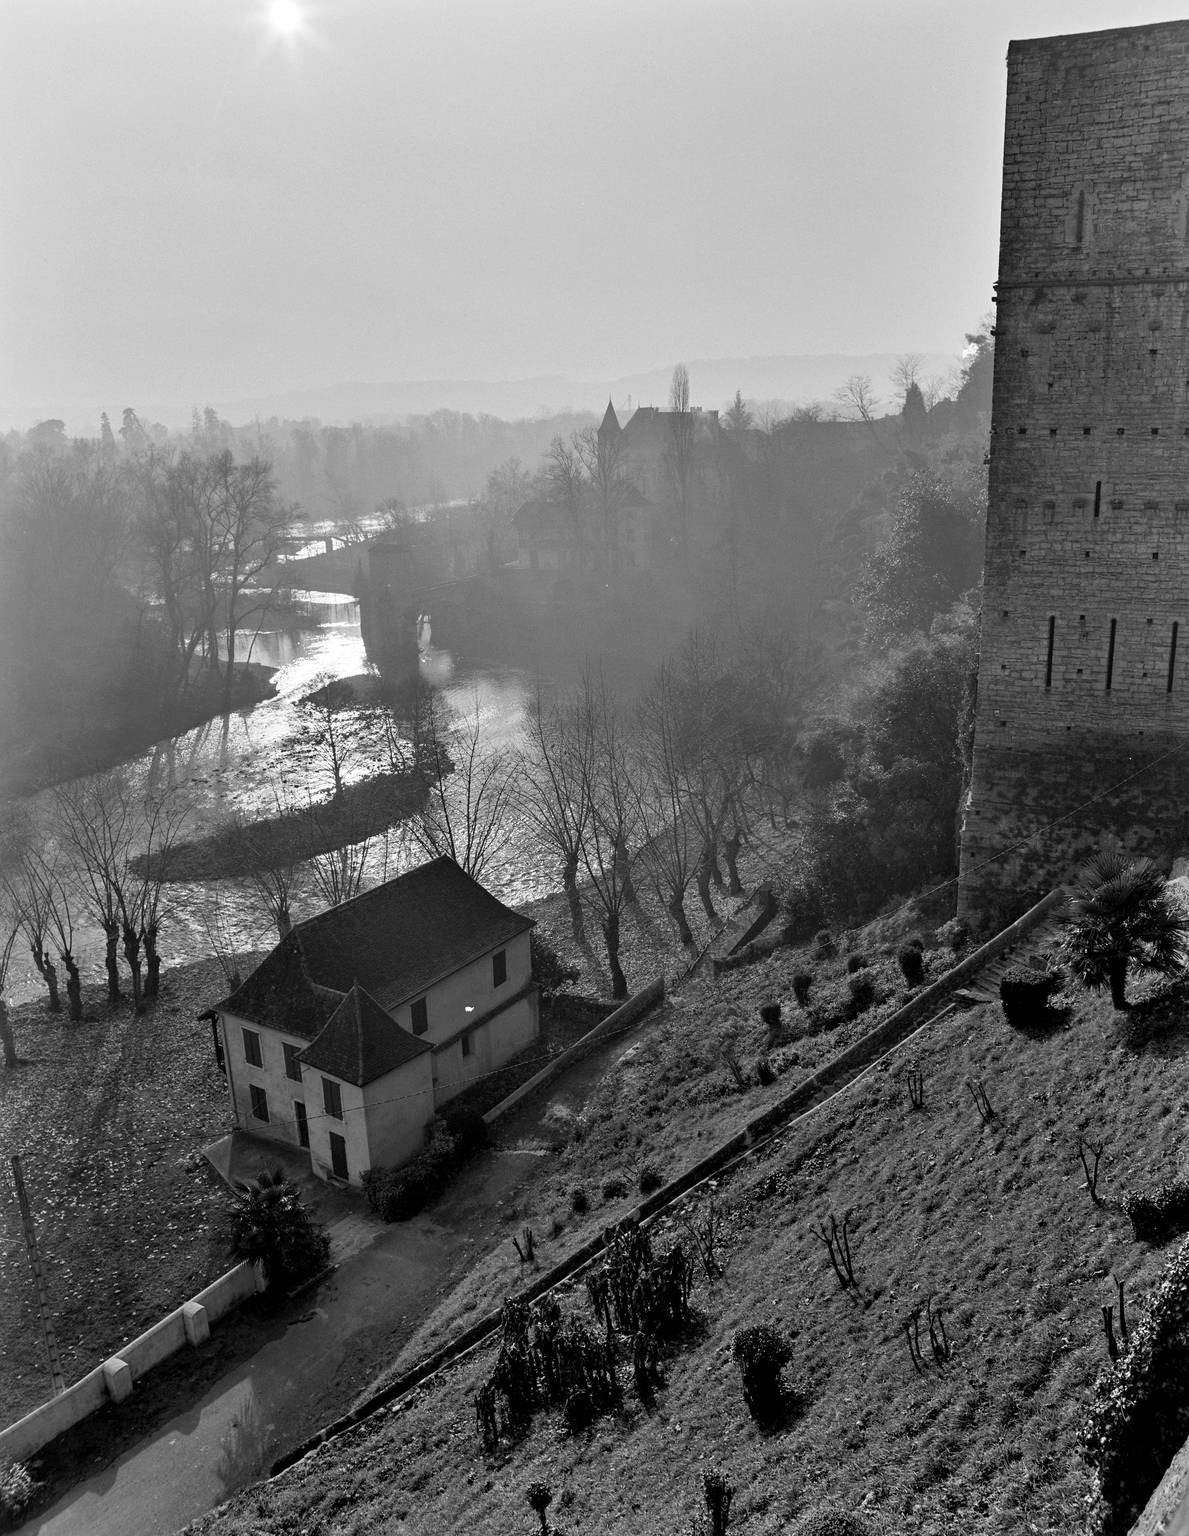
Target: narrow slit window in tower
{"x":1110,"y":656}
{"x":1049,"y":658}
{"x":1079,"y":228}
{"x":1172,"y":658}
{"x":1097,"y":497}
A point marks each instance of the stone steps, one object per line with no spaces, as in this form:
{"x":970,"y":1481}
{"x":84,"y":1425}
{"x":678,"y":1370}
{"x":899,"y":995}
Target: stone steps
{"x":1031,"y":951}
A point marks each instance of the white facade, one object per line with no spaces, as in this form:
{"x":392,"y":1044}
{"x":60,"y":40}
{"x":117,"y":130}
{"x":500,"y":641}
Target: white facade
{"x":474,"y":1023}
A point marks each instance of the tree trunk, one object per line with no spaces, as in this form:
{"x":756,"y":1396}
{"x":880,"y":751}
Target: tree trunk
{"x":132,"y":956}
{"x":676,"y":906}
{"x":6,"y":1040}
{"x":153,"y":962}
{"x":111,"y":961}
{"x":48,"y":972}
{"x":704,"y":889}
{"x":623,"y":868}
{"x":1116,"y":970}
{"x":569,"y":882}
{"x":284,"y":921}
{"x":74,"y":987}
{"x":715,"y":871}
{"x":730,"y":853}
{"x":619,"y":982}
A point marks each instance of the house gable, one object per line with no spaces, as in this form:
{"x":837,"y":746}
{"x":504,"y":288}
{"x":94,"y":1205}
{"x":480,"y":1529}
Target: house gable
{"x":361,"y":1042}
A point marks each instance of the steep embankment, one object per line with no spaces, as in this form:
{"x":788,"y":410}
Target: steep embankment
{"x":990,"y":1220}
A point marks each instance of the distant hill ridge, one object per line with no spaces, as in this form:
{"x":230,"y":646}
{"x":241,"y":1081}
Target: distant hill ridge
{"x":713,"y":383}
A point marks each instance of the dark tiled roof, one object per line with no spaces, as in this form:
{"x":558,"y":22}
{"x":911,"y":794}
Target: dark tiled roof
{"x":361,"y":1042}
{"x":394,"y":941}
{"x":280,"y":994}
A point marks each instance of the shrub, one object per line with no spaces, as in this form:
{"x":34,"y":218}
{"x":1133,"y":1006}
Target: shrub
{"x":761,"y":1353}
{"x":855,"y":963}
{"x":550,"y":972}
{"x":833,"y":1520}
{"x":1139,"y":1417}
{"x":579,"y":1201}
{"x":765,"y":1072}
{"x":955,"y":934}
{"x":17,"y":1491}
{"x":1160,"y":1215}
{"x":1025,"y":995}
{"x":467,"y":1129}
{"x":649,"y":1179}
{"x":824,"y":946}
{"x":614,"y":1188}
{"x":912,"y":964}
{"x":802,"y":982}
{"x":800,"y":904}
{"x":862,"y":994}
{"x":395,"y":1194}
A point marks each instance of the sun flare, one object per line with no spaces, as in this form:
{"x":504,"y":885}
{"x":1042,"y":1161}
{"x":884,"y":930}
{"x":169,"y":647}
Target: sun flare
{"x":285,"y":18}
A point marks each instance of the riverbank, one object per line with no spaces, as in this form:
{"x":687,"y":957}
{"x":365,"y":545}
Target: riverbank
{"x":27,"y":767}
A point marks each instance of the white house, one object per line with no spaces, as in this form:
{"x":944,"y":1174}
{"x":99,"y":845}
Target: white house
{"x":364,"y":1019}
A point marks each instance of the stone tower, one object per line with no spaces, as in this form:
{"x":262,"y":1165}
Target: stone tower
{"x":1082,"y":723}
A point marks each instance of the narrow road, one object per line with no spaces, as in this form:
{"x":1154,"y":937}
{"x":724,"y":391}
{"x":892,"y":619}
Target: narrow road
{"x":356,"y":1323}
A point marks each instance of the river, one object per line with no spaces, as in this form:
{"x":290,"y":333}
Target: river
{"x":232,"y":767}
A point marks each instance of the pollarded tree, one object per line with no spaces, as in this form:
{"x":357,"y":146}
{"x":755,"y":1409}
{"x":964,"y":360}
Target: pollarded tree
{"x":555,"y":785}
{"x":1122,"y":914}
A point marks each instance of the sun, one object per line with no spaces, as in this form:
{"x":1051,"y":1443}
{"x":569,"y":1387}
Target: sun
{"x":285,"y":18}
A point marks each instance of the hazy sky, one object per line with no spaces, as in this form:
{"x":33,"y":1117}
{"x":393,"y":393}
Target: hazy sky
{"x":196,"y":207}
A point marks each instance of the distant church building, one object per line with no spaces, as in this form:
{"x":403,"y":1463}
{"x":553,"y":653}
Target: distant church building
{"x":1082,"y":722}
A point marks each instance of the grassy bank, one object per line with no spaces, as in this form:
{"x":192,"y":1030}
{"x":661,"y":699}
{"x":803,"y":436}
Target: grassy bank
{"x":989,"y":1220}
{"x":108,"y":1116}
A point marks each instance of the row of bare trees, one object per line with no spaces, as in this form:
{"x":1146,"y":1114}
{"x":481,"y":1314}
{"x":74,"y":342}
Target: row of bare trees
{"x":99,"y":851}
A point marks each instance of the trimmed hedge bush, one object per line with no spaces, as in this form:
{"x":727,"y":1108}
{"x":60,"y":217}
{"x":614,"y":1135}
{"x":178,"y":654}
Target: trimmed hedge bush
{"x":1139,"y":1418}
{"x":1025,"y":995}
{"x":1160,"y":1215}
{"x":761,"y":1353}
{"x":802,"y":982}
{"x":912,"y":964}
{"x":862,"y":993}
{"x":395,"y":1194}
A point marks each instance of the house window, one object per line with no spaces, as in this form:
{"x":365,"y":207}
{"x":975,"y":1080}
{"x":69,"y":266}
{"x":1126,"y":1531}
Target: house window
{"x":338,"y":1156}
{"x":332,"y":1098}
{"x":292,"y":1065}
{"x":420,"y":1014}
{"x":252,"y":1053}
{"x":259,"y":1100}
{"x":468,"y":1045}
{"x":499,"y":967}
{"x":303,"y":1124}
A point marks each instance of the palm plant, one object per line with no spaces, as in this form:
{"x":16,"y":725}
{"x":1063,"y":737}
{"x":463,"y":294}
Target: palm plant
{"x":272,"y":1227}
{"x":1122,"y":914}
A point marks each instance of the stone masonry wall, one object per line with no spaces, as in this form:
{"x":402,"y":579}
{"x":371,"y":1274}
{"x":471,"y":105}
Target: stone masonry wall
{"x":1082,"y":722}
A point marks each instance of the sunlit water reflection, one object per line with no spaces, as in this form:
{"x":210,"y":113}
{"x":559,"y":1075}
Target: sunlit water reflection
{"x":236,"y":767}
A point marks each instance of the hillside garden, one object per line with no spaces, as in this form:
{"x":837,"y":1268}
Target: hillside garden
{"x":939,"y":1363}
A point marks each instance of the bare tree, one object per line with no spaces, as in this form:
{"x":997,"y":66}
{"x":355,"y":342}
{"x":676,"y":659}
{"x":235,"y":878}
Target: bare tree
{"x":604,"y":458}
{"x":857,"y":398}
{"x":471,"y":793}
{"x":9,"y":930}
{"x":609,"y":844}
{"x":338,"y":875}
{"x":565,"y":477}
{"x":669,"y":852}
{"x":555,"y":779}
{"x":905,"y":373}
{"x":332,"y":727}
{"x":97,"y":824}
{"x":249,"y":528}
